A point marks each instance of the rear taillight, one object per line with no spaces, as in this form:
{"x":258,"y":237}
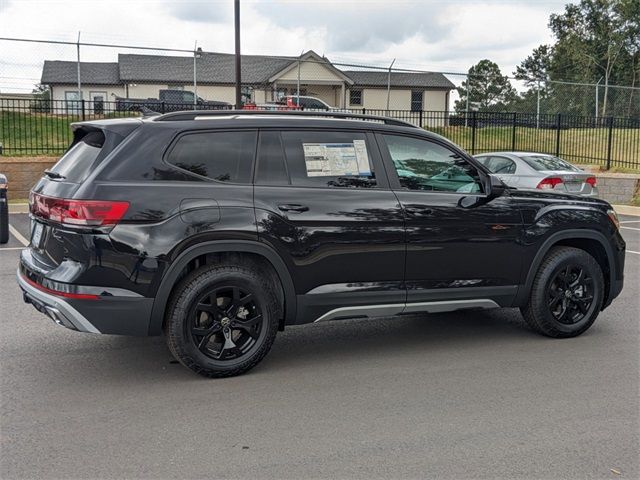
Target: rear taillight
{"x":549,"y":182}
{"x":89,"y":213}
{"x":76,"y":296}
{"x":591,"y":181}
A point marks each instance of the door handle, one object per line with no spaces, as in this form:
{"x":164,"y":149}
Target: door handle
{"x":293,"y":207}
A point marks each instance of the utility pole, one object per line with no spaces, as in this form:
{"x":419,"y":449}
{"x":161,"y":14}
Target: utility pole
{"x":236,"y":9}
{"x":79,"y":83}
{"x":389,"y":84}
{"x":197,"y":53}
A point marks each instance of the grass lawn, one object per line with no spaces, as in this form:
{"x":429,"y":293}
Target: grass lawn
{"x":26,"y":134}
{"x":578,"y":145}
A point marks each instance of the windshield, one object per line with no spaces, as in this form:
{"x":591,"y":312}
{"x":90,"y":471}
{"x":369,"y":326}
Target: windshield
{"x":548,"y":162}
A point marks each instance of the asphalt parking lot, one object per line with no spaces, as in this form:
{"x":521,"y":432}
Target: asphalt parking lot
{"x":473,"y":395}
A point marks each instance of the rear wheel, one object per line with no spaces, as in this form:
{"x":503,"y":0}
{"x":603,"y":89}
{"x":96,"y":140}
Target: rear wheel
{"x":222,"y":320}
{"x":566,"y":295}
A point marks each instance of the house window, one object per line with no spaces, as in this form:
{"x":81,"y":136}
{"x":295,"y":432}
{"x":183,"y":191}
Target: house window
{"x":355,"y":97}
{"x":72,"y":100}
{"x":416,"y":100}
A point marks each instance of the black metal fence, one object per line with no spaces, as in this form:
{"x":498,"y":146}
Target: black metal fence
{"x":41,"y":127}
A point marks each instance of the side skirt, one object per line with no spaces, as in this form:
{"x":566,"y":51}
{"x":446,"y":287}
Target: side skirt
{"x":369,"y":311}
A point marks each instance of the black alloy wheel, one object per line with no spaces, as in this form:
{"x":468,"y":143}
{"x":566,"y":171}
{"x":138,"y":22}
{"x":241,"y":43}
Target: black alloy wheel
{"x":570,"y":294}
{"x":226,"y":323}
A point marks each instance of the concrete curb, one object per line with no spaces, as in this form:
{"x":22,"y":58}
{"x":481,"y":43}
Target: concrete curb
{"x":627,"y":210}
{"x":18,"y":208}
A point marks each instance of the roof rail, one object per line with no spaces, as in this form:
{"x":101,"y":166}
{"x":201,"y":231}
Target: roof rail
{"x":193,"y":114}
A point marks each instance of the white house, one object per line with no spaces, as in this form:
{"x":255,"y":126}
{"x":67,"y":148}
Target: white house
{"x":264,"y":79}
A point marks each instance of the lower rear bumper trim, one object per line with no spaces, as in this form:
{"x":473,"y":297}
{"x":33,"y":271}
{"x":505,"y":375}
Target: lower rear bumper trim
{"x":56,"y":308}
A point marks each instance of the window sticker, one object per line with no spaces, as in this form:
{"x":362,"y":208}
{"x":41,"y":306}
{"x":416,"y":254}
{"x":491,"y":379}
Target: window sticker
{"x":336,"y":159}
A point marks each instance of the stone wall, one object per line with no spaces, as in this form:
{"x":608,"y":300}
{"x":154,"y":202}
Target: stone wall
{"x":618,"y":188}
{"x":23,"y":173}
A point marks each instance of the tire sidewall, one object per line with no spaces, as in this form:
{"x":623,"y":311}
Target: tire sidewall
{"x":547,"y":277}
{"x":179,"y":323}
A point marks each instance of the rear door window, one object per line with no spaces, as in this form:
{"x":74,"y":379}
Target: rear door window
{"x":77,"y":163}
{"x":219,"y":156}
{"x":502,"y":165}
{"x":329,"y":159}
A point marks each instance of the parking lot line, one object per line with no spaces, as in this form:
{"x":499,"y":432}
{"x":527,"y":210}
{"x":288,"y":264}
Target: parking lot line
{"x":18,"y":235}
{"x":630,"y":221}
{"x":11,"y":248}
{"x":631,"y":228}
{"x":631,"y":251}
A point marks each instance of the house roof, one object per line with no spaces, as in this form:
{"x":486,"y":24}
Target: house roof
{"x":211,"y":68}
{"x":400,"y":79}
{"x":55,"y":71}
{"x":219,"y":68}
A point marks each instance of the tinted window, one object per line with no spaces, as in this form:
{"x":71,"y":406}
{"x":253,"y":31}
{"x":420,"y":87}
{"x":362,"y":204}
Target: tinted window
{"x":329,"y":159}
{"x":271,"y":165}
{"x":547,"y":162}
{"x":424,"y":165}
{"x":76,"y":164}
{"x":221,"y":156}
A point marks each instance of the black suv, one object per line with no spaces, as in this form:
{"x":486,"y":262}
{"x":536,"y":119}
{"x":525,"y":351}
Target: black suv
{"x":221,"y":228}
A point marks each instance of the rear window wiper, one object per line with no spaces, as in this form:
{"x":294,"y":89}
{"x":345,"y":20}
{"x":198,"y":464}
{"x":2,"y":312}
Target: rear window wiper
{"x":54,"y":175}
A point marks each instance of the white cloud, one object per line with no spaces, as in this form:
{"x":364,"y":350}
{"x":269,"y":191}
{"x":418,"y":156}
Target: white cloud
{"x":435,"y":35}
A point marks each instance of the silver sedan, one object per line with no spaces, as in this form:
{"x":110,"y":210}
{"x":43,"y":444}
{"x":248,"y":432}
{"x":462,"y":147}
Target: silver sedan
{"x":539,"y":170}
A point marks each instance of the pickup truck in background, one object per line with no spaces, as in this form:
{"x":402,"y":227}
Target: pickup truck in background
{"x":170,"y":101}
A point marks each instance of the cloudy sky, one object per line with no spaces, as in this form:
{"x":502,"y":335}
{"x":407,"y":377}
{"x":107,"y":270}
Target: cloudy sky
{"x":435,"y":35}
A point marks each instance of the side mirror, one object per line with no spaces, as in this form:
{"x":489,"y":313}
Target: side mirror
{"x":495,"y":187}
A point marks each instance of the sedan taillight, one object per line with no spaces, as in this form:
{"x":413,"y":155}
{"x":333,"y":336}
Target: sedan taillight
{"x":591,"y":181}
{"x":549,"y":182}
{"x":89,"y":213}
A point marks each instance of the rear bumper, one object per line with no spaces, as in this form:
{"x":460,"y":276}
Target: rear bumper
{"x":84,"y":308}
{"x":57,"y":309}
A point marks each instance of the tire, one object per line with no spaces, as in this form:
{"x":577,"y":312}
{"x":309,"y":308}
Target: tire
{"x":4,"y":222}
{"x":229,"y":340}
{"x":561,"y":303}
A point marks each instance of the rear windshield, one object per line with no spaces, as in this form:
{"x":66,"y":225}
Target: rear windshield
{"x":76,"y":164}
{"x":547,"y":162}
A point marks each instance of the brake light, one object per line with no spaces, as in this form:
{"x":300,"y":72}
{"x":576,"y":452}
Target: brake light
{"x":591,"y":181}
{"x":89,"y":213}
{"x":549,"y":182}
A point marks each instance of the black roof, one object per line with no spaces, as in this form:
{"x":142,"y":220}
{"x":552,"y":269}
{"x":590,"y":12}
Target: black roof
{"x":56,"y":71}
{"x":217,"y":68}
{"x":212,"y":68}
{"x":400,"y":79}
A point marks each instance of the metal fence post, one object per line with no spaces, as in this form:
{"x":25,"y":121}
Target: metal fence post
{"x":513,"y":132}
{"x":473,"y":132}
{"x":83,"y":110}
{"x":420,"y":119}
{"x":609,"y":143}
{"x":163,"y":111}
{"x":559,"y":122}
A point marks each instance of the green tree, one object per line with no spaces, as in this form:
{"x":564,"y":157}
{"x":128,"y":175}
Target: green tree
{"x":596,"y":41}
{"x":486,"y":88}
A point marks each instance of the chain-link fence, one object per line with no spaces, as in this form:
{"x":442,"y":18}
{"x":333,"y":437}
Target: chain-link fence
{"x":46,"y":85}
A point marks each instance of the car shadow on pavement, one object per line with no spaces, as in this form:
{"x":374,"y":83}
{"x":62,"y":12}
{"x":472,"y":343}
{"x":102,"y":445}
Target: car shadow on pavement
{"x":148,"y":360}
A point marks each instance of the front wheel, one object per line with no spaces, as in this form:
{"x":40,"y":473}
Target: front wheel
{"x":566,"y":295}
{"x":222,"y":320}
